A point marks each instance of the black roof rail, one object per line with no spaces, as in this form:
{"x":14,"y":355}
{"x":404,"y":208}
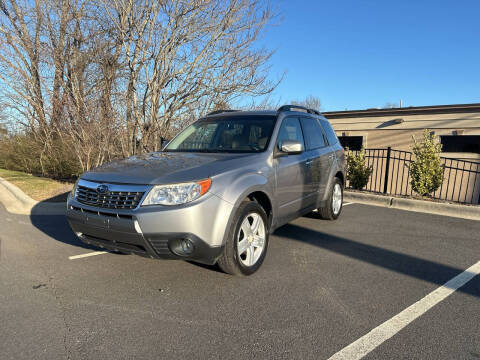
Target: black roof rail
{"x":220,"y":111}
{"x":292,"y":107}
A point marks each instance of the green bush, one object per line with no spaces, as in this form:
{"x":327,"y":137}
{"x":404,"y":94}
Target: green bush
{"x":358,"y":172}
{"x":24,"y":153}
{"x":426,"y":171}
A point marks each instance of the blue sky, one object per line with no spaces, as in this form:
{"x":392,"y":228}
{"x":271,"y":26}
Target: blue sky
{"x":357,"y":54}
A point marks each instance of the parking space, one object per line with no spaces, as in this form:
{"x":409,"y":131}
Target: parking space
{"x":323,"y":286}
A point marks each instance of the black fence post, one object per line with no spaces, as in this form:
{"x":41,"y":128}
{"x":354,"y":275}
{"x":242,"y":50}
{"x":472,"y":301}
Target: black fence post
{"x":387,"y":170}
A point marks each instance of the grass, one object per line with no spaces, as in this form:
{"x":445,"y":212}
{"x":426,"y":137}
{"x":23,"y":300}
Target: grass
{"x":38,"y":188}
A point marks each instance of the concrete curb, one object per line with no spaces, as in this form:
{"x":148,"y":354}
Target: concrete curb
{"x":455,"y":210}
{"x":17,"y":202}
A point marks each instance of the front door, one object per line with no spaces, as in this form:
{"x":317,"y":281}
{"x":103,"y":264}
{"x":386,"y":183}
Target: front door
{"x":291,"y":172}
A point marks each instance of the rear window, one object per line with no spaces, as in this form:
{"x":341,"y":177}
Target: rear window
{"x":313,"y":133}
{"x":329,"y":132}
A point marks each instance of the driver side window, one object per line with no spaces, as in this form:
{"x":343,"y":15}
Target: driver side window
{"x":290,"y":130}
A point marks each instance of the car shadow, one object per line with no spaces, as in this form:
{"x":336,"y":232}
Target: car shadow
{"x":214,"y":268}
{"x":48,"y":216}
{"x":423,"y":269}
{"x":57,"y":198}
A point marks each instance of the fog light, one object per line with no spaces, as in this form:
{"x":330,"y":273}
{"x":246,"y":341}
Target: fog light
{"x":181,"y":246}
{"x":187,"y":246}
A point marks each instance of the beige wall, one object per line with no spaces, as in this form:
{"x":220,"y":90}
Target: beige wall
{"x":382,"y":131}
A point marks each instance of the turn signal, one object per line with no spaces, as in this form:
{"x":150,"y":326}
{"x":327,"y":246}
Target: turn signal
{"x":204,"y":185}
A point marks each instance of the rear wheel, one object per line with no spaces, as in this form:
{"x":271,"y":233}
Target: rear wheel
{"x":334,"y":204}
{"x":247,"y":241}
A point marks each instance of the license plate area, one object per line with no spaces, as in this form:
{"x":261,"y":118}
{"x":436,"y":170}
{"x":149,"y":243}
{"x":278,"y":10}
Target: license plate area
{"x":97,"y":221}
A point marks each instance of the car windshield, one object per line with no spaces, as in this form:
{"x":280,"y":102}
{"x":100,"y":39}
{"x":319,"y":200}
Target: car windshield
{"x":225,"y":134}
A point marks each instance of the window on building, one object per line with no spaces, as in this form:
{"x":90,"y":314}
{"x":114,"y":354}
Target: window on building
{"x":353,"y":143}
{"x":460,"y":143}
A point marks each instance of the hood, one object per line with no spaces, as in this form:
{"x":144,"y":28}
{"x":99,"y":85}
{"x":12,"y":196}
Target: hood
{"x":164,"y":168}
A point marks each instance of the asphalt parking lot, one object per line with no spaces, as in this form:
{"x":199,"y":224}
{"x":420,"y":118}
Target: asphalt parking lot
{"x":324,"y":285}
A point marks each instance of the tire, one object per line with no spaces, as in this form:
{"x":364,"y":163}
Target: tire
{"x":246,"y":262}
{"x":332,"y":211}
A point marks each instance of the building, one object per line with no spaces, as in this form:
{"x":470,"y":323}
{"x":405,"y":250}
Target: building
{"x":457,"y":126}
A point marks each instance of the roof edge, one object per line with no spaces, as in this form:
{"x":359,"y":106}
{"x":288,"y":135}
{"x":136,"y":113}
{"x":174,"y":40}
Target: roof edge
{"x":412,"y":110}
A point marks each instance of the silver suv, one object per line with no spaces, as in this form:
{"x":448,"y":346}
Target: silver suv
{"x":216,"y":191}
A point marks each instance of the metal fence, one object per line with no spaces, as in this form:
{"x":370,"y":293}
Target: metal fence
{"x":391,"y":175}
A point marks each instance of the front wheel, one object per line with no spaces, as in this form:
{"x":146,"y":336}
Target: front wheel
{"x":247,"y":241}
{"x":333,"y":207}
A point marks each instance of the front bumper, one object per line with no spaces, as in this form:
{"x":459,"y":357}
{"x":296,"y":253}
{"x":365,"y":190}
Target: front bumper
{"x":155,"y":231}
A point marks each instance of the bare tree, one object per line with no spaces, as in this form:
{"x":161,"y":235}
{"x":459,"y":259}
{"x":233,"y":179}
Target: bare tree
{"x":186,"y":56}
{"x":311,"y":102}
{"x":96,"y":79}
{"x":3,"y":122}
{"x":221,"y":105}
{"x":389,"y":105}
{"x":20,"y":56}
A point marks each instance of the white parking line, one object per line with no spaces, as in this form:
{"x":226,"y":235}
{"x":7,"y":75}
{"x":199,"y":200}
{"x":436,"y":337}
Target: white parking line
{"x":389,"y":328}
{"x":87,"y":255}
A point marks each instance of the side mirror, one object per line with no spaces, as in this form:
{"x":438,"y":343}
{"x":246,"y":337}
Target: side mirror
{"x":292,"y":147}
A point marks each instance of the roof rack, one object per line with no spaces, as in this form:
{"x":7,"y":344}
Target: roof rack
{"x":220,"y":111}
{"x":292,"y":107}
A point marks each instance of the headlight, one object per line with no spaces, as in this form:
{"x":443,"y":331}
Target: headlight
{"x":74,"y":189}
{"x":176,"y":194}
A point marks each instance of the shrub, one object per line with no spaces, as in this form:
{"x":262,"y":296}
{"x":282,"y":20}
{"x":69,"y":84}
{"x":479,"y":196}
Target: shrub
{"x":21,"y":152}
{"x":358,"y":172}
{"x":427,"y":170}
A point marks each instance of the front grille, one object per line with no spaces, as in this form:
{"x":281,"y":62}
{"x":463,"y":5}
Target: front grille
{"x":109,"y":200}
{"x":102,"y":213}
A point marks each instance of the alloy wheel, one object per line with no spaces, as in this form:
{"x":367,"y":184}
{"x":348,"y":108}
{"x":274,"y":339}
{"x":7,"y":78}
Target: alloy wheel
{"x":337,"y":199}
{"x":251,"y":239}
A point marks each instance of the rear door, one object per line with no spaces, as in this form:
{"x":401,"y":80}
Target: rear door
{"x":291,"y":172}
{"x":332,"y":138}
{"x":318,"y":158}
